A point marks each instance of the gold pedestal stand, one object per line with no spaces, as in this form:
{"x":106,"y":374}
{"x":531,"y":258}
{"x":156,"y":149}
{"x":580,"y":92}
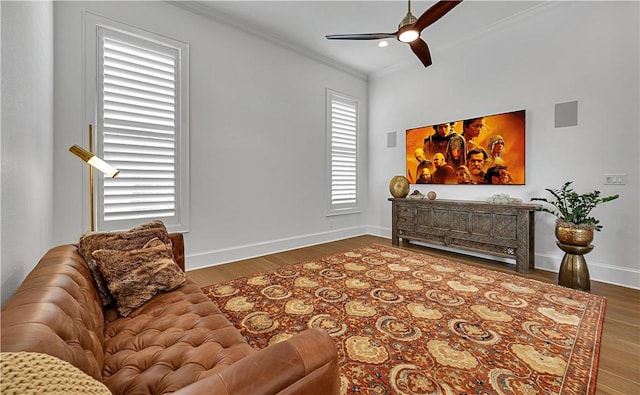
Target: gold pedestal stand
{"x":573,"y":270}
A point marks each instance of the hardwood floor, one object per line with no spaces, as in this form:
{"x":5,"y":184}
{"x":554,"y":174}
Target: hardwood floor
{"x":619,"y":367}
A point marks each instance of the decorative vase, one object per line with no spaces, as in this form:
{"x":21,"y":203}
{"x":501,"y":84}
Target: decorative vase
{"x":574,"y":234}
{"x":399,"y":187}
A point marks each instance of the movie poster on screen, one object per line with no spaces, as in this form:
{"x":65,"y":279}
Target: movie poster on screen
{"x":485,"y":150}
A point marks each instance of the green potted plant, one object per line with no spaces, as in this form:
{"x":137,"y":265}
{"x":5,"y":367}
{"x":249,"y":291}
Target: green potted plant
{"x":574,"y":224}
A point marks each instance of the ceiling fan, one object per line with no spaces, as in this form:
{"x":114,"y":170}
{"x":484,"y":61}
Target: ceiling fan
{"x":409,"y":29}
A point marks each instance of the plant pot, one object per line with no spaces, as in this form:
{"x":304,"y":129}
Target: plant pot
{"x":399,"y":187}
{"x":574,"y":234}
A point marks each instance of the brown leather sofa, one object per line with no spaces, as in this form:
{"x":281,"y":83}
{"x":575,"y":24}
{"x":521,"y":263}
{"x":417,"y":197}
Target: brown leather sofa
{"x":177,"y":342}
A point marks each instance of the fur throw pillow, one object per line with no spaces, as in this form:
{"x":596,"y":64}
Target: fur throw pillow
{"x":135,"y":276}
{"x":131,"y":239}
{"x":125,"y":240}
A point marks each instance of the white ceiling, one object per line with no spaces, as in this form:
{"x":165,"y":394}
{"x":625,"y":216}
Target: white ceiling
{"x":302,"y":25}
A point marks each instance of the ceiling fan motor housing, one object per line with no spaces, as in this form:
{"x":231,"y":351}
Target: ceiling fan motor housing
{"x":409,"y":19}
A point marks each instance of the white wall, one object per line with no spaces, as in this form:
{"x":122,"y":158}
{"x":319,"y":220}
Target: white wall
{"x":565,"y":51}
{"x":257,"y":149}
{"x":27,"y":138}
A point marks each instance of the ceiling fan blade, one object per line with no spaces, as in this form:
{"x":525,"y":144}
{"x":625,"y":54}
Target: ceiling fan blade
{"x":435,"y":12}
{"x":363,"y":36}
{"x":421,"y":49}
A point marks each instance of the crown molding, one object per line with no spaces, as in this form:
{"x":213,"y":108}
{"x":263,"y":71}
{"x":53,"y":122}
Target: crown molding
{"x":534,"y":11}
{"x":200,"y":9}
{"x":517,"y":18}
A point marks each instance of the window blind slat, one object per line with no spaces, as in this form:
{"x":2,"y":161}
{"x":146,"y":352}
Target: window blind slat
{"x":133,"y":93}
{"x":139,"y":87}
{"x":132,"y":127}
{"x":122,"y":72}
{"x":132,"y":142}
{"x":144,"y":55}
{"x":150,"y":103}
{"x":130,"y":109}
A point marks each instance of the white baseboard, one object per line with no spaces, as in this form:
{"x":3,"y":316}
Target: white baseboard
{"x":601,"y":272}
{"x":379,"y":231}
{"x":247,"y":251}
{"x":598,"y":271}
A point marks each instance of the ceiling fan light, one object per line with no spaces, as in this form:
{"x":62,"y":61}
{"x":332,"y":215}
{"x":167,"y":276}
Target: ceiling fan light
{"x":408,"y":36}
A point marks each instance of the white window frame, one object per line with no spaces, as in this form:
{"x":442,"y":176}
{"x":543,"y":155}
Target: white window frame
{"x":351,"y":152}
{"x":95,"y":27}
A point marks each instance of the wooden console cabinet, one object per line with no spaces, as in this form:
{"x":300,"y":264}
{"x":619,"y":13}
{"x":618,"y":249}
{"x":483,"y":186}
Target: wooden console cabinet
{"x":504,"y":230}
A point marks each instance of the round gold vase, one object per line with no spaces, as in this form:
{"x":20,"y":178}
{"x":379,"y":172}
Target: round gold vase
{"x":568,"y":233}
{"x":399,"y":187}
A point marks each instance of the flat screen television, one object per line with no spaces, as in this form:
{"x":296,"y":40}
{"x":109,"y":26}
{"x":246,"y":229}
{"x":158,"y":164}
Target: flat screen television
{"x":484,"y":150}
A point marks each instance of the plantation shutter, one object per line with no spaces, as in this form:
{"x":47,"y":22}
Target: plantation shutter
{"x":343,"y":152}
{"x":138,"y":123}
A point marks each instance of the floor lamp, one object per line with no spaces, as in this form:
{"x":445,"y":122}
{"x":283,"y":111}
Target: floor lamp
{"x":99,"y":164}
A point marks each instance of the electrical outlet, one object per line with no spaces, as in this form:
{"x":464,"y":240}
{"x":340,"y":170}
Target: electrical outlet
{"x":615,"y":179}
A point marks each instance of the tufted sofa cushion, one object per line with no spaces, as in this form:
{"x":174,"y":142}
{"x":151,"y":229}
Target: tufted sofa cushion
{"x":173,"y":340}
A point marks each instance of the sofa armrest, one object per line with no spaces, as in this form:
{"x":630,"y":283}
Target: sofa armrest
{"x":177,"y":240}
{"x":306,"y":363}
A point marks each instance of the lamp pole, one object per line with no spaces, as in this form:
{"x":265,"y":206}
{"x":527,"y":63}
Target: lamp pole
{"x":92,"y":217}
{"x":93,"y":161}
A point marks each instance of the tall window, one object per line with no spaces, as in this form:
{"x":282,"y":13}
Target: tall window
{"x":141,"y":118}
{"x":342,"y":131}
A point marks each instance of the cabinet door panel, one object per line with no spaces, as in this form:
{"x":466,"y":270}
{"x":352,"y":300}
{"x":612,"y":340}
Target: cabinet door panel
{"x":441,"y":219}
{"x":482,"y":223}
{"x":460,"y":221}
{"x":506,"y":226}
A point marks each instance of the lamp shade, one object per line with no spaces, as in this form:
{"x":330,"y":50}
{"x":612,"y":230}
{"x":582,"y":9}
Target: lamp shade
{"x":94,"y":161}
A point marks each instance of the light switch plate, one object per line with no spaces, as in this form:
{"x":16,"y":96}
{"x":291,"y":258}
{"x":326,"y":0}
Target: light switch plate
{"x":615,"y":179}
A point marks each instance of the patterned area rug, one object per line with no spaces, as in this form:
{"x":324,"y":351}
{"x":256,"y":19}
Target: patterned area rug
{"x":409,"y":323}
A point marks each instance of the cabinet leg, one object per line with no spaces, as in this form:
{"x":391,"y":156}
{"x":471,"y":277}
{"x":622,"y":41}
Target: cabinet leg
{"x":522,"y":260}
